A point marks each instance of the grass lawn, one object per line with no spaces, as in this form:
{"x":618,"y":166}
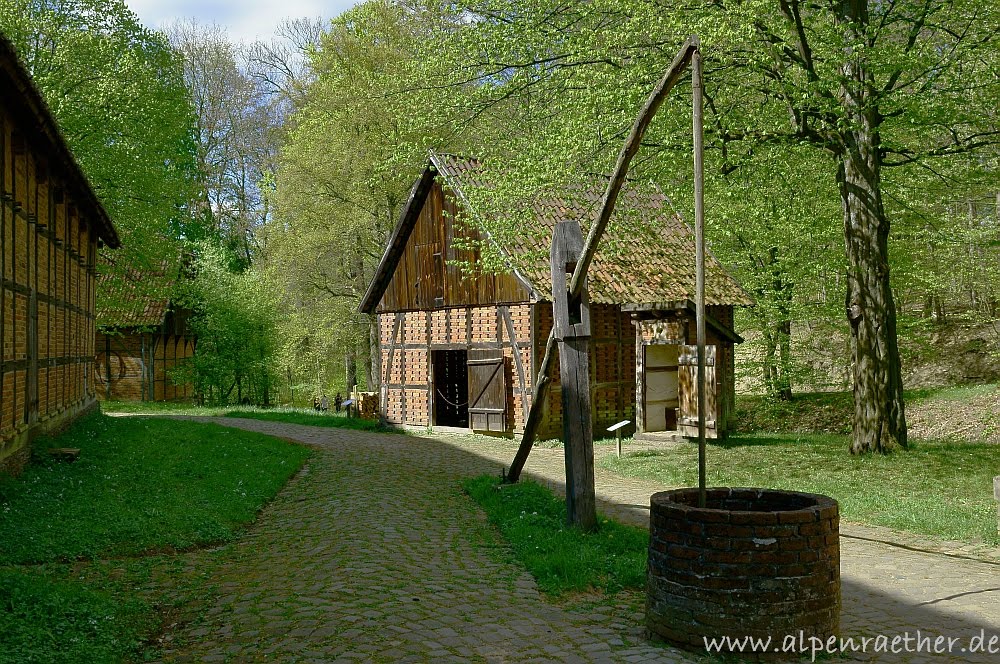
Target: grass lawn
{"x":562,"y":559}
{"x":310,"y":418}
{"x":305,"y":416}
{"x":940,"y":489}
{"x":142,"y":489}
{"x":969,"y":413}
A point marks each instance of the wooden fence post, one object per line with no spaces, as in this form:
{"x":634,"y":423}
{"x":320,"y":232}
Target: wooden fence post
{"x":571,"y":318}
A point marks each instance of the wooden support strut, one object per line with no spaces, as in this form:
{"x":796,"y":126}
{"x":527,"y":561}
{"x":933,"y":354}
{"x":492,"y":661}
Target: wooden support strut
{"x":628,"y":151}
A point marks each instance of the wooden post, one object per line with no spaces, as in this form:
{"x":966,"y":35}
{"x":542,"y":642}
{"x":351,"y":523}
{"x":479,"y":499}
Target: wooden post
{"x":699,"y":226}
{"x":107,"y":365}
{"x":571,"y":323}
{"x":628,"y":151}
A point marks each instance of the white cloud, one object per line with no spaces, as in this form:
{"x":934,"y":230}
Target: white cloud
{"x":244,"y":19}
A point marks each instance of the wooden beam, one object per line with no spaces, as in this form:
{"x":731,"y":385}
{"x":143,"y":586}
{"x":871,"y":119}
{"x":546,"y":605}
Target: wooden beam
{"x":628,"y":151}
{"x":571,"y":323}
{"x":518,"y":363}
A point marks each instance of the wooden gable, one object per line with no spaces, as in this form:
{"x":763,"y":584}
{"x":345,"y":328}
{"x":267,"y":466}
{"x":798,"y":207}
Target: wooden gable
{"x":436,"y":270}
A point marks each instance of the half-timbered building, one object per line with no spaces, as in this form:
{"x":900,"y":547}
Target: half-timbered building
{"x":142,"y":339}
{"x":460,"y":345}
{"x":51,"y":225}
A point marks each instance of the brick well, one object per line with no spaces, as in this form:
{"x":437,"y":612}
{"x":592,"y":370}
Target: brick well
{"x":754,"y":562}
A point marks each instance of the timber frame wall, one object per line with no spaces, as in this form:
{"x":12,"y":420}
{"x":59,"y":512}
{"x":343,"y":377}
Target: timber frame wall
{"x":140,"y":366}
{"x":408,"y":339}
{"x":47,"y":299}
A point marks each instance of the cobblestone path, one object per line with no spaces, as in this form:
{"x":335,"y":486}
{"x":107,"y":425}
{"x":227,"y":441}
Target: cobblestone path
{"x":372,"y":554}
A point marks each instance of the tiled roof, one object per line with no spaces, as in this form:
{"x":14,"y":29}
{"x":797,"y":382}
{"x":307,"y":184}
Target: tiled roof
{"x":646,"y":256}
{"x":135,"y":300}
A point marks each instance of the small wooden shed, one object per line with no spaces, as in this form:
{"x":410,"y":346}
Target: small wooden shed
{"x":460,"y":346}
{"x":141,"y":340}
{"x":51,"y":224}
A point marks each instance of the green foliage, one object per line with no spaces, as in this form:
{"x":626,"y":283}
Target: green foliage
{"x":562,"y":559}
{"x":42,"y":620}
{"x":235,"y":321}
{"x":938,"y":489}
{"x":117,"y":92}
{"x":140,"y":485}
{"x":564,"y":81}
{"x":342,"y":180}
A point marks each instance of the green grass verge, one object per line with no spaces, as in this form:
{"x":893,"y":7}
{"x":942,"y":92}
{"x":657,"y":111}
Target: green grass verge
{"x":310,"y":418}
{"x":141,"y":486}
{"x":562,"y":559}
{"x":306,"y":416}
{"x":942,"y":490}
{"x":161,"y":408}
{"x":44,"y":620}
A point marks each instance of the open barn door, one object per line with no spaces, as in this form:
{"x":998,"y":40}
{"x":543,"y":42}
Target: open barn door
{"x":687,"y":392}
{"x":487,"y":391}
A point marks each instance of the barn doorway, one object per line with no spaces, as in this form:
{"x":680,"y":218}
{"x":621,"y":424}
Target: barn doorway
{"x":451,"y":388}
{"x":660,"y":400}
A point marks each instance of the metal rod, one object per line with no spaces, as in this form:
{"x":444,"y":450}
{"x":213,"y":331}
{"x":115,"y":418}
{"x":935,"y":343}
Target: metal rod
{"x":699,"y":224}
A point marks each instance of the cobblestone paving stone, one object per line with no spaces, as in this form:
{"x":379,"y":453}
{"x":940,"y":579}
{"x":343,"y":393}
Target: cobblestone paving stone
{"x":372,"y":554}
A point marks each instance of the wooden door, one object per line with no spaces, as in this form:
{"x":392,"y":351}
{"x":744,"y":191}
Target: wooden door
{"x":687,"y":388}
{"x":487,"y":391}
{"x":660,"y":387}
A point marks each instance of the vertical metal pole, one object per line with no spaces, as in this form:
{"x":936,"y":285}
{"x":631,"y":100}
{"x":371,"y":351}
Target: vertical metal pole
{"x":699,"y":224}
{"x":618,"y":434}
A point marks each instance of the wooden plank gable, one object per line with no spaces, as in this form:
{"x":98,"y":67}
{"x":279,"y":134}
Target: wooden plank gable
{"x":437,"y":268}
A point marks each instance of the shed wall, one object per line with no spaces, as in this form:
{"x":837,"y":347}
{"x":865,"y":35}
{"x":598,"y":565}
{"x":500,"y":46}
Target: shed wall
{"x":681,"y":328}
{"x":47,"y":297}
{"x":141,"y":366}
{"x":408,"y":339}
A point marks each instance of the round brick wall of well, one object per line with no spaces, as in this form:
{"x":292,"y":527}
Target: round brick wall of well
{"x":753,"y":562}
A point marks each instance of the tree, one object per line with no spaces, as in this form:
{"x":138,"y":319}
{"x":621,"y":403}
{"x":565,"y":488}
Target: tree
{"x":117,"y":91}
{"x":871,"y":85}
{"x":343,"y":176}
{"x":236,"y":325}
{"x":240,"y":126}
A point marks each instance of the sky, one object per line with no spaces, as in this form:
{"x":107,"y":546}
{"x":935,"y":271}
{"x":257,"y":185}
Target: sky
{"x":244,"y":19}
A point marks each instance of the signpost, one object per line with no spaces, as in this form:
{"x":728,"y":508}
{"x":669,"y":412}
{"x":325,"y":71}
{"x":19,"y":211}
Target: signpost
{"x":617,"y":429}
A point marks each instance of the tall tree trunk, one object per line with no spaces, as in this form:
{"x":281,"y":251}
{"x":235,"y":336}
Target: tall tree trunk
{"x":784,"y":384}
{"x":351,"y":364}
{"x":879,"y":421}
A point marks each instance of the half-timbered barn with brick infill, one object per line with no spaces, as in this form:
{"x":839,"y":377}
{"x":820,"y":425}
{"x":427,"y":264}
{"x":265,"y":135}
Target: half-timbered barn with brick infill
{"x":460,"y":346}
{"x":51,"y":225}
{"x":143,"y":338}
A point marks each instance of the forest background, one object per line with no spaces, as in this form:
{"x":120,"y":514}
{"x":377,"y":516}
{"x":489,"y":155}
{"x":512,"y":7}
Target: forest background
{"x":263,"y":179}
